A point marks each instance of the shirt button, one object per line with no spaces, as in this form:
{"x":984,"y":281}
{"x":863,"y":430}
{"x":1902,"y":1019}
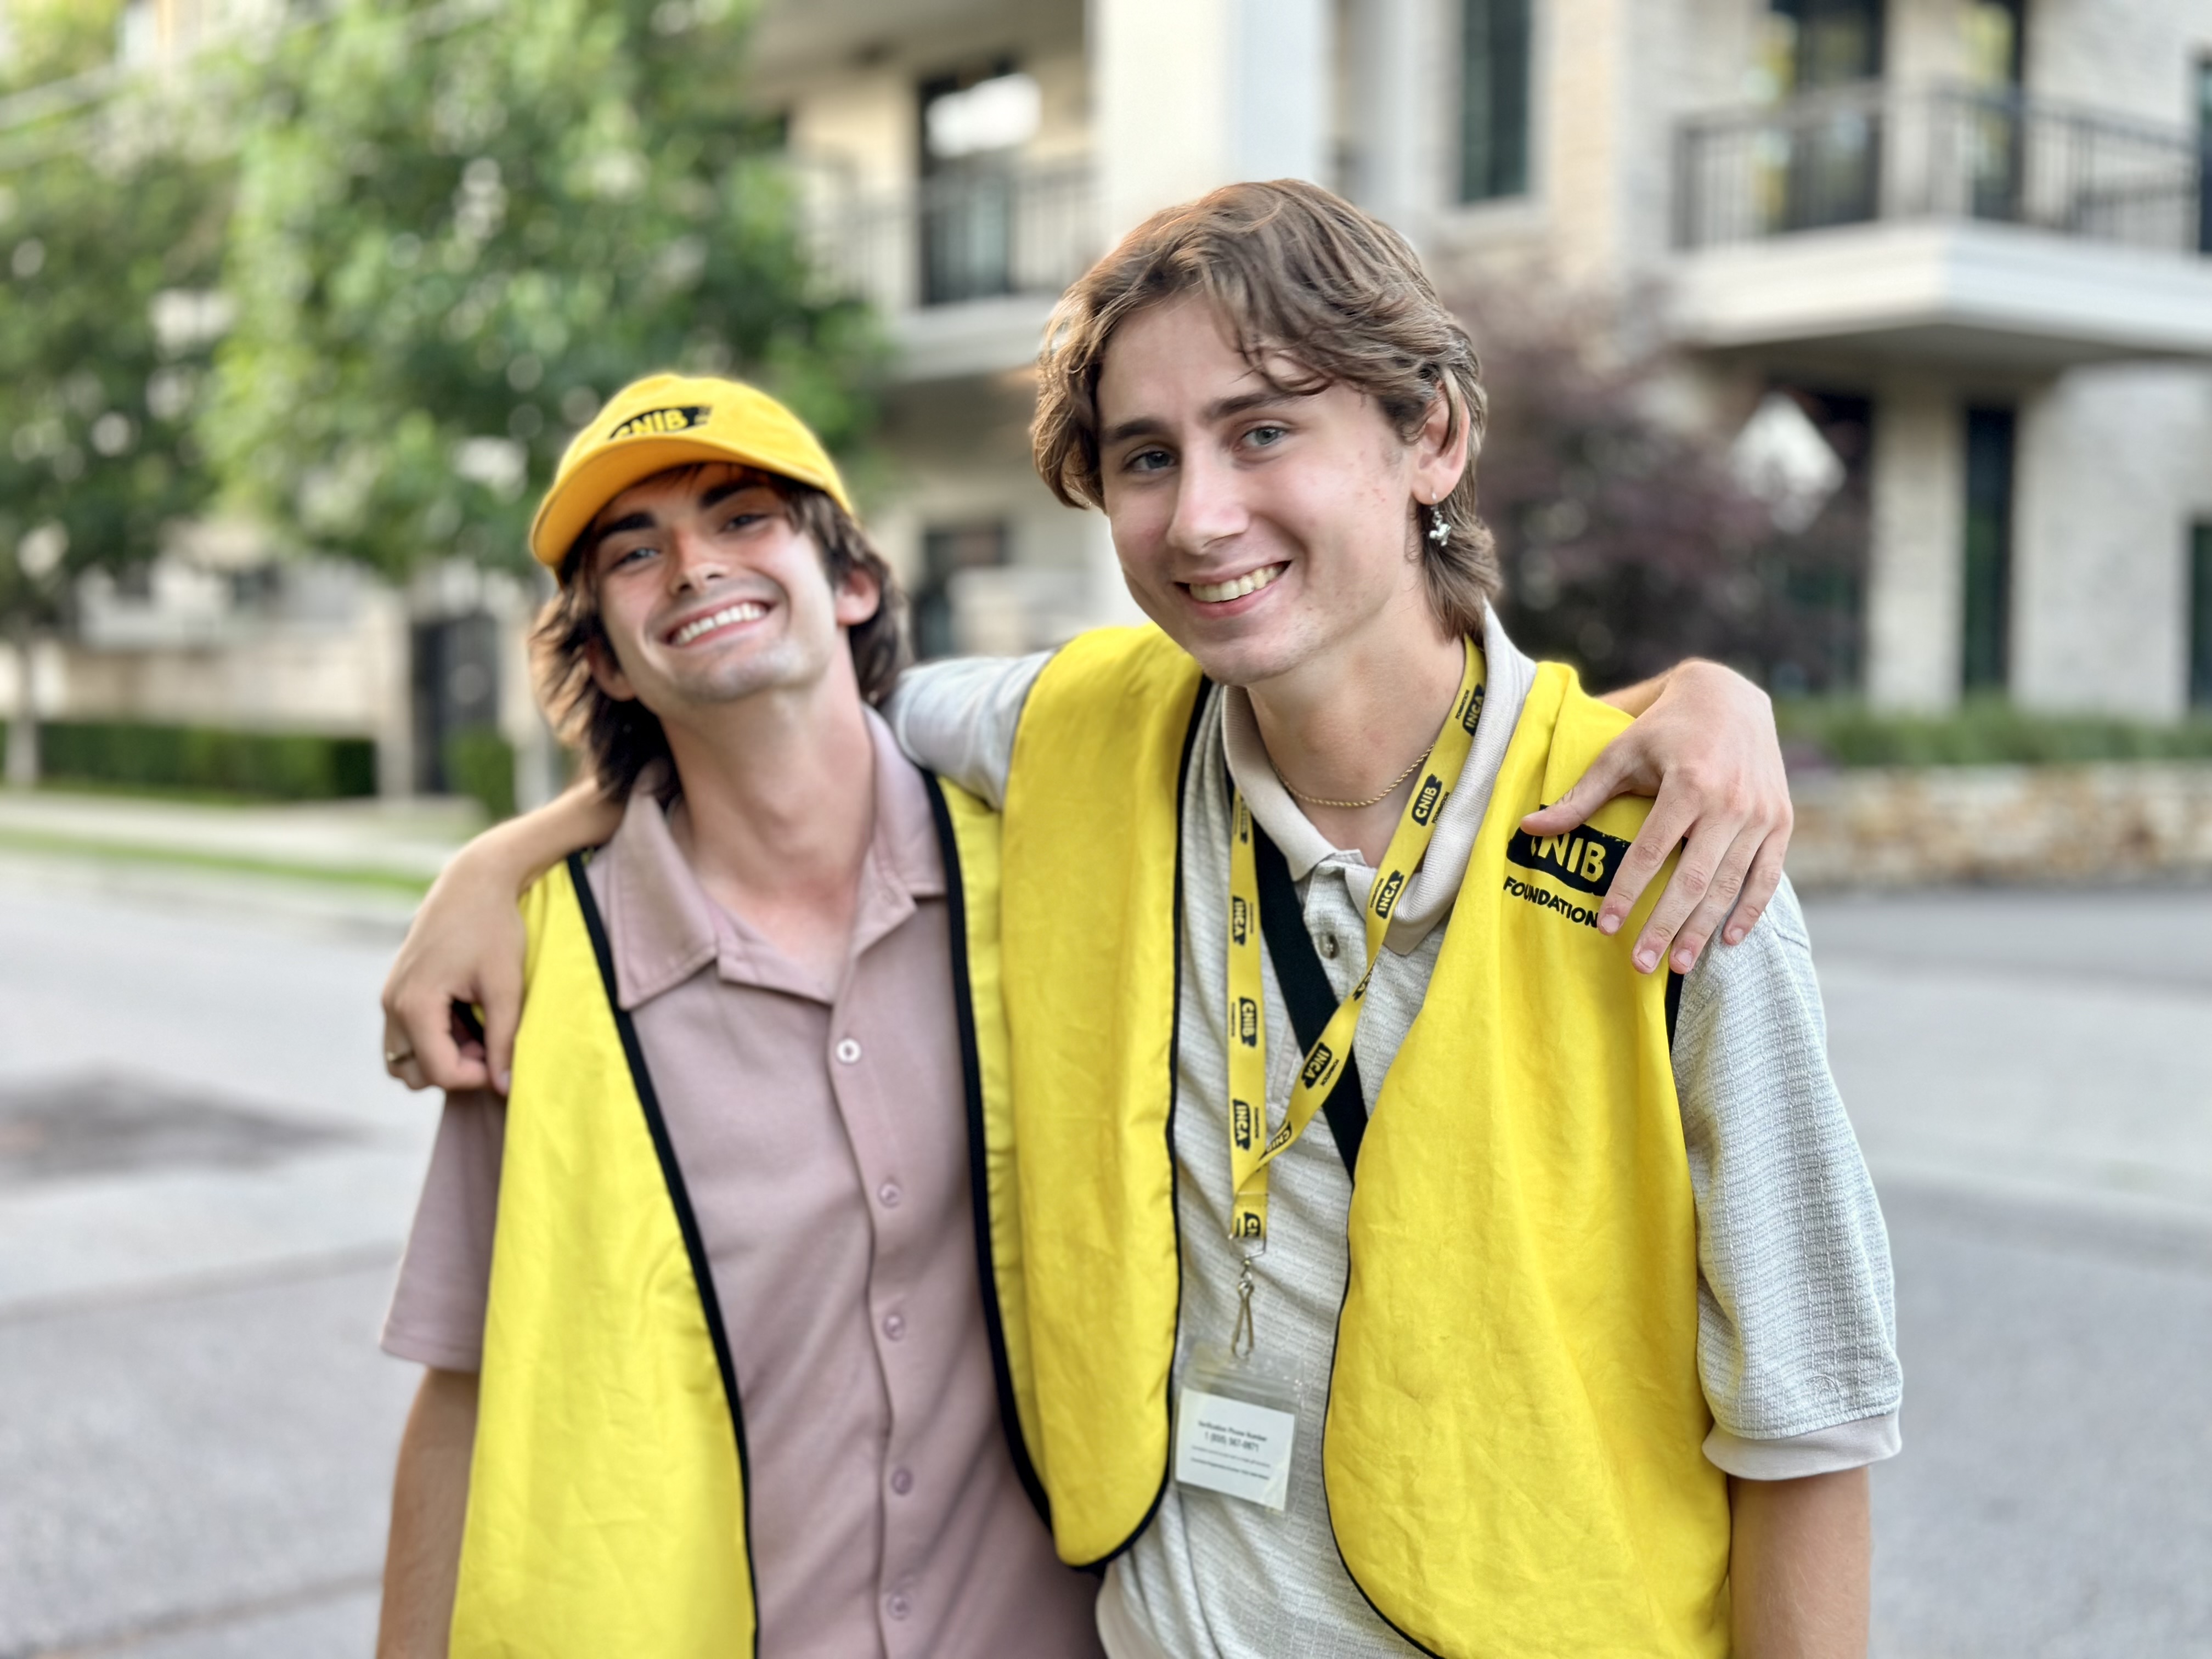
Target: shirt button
{"x":895,"y":1326}
{"x":848,"y":1051}
{"x":902,"y":1481}
{"x":889,"y":1194}
{"x":1329,"y":946}
{"x":896,"y":1605}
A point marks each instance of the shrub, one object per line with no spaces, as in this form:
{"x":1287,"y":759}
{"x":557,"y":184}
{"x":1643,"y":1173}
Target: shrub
{"x":271,"y":765}
{"x":480,"y":764}
{"x":1982,"y":733}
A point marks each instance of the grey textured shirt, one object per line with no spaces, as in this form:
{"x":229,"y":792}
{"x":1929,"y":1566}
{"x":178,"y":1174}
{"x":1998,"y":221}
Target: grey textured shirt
{"x":1796,"y":1335}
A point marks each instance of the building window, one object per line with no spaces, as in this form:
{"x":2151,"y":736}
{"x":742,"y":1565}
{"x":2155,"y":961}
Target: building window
{"x":2204,"y":155}
{"x":973,"y":127}
{"x":2200,"y":616}
{"x":1985,"y":662}
{"x":946,"y":552}
{"x":1493,"y":99}
{"x":1827,"y":172}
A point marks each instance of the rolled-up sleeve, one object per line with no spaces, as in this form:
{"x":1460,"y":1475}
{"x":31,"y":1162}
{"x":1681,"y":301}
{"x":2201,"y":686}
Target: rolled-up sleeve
{"x":1797,"y":1326}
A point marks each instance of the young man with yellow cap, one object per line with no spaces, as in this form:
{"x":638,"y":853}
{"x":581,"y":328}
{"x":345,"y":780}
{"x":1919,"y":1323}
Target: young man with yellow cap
{"x":707,"y":1366}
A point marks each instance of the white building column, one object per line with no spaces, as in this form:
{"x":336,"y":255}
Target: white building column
{"x":1187,"y":94}
{"x":2112,"y":470}
{"x":1916,"y":593}
{"x":1392,"y":50}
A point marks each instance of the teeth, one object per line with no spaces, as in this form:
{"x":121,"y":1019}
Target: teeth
{"x":1218,"y":593}
{"x":744,"y":611}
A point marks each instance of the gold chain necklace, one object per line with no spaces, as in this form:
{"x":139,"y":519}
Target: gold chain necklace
{"x":1389,"y":789}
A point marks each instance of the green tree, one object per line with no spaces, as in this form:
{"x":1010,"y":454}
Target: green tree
{"x":461,"y":225}
{"x":45,"y":41}
{"x":111,"y":237}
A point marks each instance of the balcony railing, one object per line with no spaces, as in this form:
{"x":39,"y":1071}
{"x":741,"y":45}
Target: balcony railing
{"x":976,"y":234}
{"x":1876,"y":151}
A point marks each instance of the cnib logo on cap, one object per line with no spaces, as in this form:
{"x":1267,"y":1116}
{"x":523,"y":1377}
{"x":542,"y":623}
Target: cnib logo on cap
{"x":655,"y":422}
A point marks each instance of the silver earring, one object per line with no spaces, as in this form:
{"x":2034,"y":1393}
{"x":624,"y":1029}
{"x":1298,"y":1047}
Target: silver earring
{"x":1440,"y":528}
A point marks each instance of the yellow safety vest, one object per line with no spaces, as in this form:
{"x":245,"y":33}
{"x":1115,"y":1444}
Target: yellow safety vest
{"x":607,"y":1495}
{"x":1513,"y":1442}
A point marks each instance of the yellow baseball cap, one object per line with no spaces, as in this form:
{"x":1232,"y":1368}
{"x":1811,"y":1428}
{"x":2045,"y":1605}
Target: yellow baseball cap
{"x":673,"y":420}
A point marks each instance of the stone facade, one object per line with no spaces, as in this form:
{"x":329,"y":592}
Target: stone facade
{"x":1918,"y":826}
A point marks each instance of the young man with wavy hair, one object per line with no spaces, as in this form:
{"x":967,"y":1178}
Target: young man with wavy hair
{"x":1373,"y":1255}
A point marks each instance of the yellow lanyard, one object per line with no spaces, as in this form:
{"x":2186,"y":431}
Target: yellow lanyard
{"x":1247,"y":1027}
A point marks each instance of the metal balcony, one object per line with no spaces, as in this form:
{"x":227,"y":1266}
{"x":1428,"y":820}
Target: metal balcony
{"x":1876,"y":151}
{"x":961,"y":236}
{"x":1941,"y":225}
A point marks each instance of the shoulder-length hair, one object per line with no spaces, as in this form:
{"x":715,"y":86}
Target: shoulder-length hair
{"x":623,"y":739}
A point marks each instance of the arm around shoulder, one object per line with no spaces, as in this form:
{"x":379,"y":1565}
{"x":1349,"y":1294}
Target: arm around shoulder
{"x":466,"y":946}
{"x":959,"y":717}
{"x":1704,"y":742}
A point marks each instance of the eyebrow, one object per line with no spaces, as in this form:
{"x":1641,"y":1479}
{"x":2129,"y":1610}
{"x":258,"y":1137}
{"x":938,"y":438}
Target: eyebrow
{"x":641,"y":520}
{"x":1221,"y":410}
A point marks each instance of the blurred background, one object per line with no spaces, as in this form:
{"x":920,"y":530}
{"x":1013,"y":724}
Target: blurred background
{"x":1863,"y":344}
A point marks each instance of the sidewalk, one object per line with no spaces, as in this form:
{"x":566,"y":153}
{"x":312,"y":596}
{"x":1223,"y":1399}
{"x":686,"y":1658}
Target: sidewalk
{"x":358,"y":866}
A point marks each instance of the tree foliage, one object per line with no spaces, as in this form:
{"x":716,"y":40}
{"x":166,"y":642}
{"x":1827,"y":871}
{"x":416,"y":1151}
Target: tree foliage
{"x":461,"y":225}
{"x":1626,"y":541}
{"x":111,"y":237}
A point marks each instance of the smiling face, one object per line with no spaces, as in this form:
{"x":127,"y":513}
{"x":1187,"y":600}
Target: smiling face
{"x":1263,"y":531}
{"x":709,"y":594}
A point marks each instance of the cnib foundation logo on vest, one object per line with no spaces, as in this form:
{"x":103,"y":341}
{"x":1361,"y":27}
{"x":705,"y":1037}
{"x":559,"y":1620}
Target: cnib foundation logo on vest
{"x":1583,"y":860}
{"x":1247,"y":1021}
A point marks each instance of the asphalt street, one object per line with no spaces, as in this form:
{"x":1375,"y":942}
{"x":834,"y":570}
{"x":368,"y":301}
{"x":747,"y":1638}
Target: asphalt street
{"x":204,"y":1179}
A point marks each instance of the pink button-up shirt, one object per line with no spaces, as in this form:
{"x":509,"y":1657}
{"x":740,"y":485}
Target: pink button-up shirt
{"x":822,"y":1133}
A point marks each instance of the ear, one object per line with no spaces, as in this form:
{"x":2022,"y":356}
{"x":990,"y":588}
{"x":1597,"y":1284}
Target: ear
{"x":1440,"y":455}
{"x":606,"y":672}
{"x":859,"y":597}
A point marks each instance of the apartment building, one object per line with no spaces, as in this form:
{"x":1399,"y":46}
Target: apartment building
{"x":1969,"y":241}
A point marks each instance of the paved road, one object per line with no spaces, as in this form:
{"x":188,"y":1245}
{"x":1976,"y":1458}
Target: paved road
{"x":203,"y":1180}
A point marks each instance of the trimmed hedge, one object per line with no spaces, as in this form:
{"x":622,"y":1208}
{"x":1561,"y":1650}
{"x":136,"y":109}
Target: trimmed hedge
{"x":272,"y":765}
{"x":1982,"y":733}
{"x":480,"y":764}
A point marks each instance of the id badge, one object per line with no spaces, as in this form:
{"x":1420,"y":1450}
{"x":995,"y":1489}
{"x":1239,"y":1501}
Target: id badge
{"x":1237,"y":1423}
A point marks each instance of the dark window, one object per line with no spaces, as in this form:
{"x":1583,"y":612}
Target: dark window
{"x":1996,"y":59}
{"x":1826,"y":43}
{"x":2204,"y":155}
{"x":1494,"y":108}
{"x":946,"y":552}
{"x":2200,"y":616}
{"x":456,"y":686}
{"x":1990,"y":437}
{"x":1829,"y":172}
{"x":967,"y":196}
{"x":1816,"y":578}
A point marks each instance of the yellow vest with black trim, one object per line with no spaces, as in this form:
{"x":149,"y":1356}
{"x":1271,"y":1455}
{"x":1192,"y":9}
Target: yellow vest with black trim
{"x":1513,"y":1441}
{"x":607,"y":1493}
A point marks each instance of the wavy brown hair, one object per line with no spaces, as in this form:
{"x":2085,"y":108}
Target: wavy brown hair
{"x":623,"y":739}
{"x":1305,"y":281}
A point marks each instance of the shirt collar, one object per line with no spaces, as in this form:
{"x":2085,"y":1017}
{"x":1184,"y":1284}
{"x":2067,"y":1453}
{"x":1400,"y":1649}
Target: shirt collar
{"x":663,"y":928}
{"x":1508,"y":676}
